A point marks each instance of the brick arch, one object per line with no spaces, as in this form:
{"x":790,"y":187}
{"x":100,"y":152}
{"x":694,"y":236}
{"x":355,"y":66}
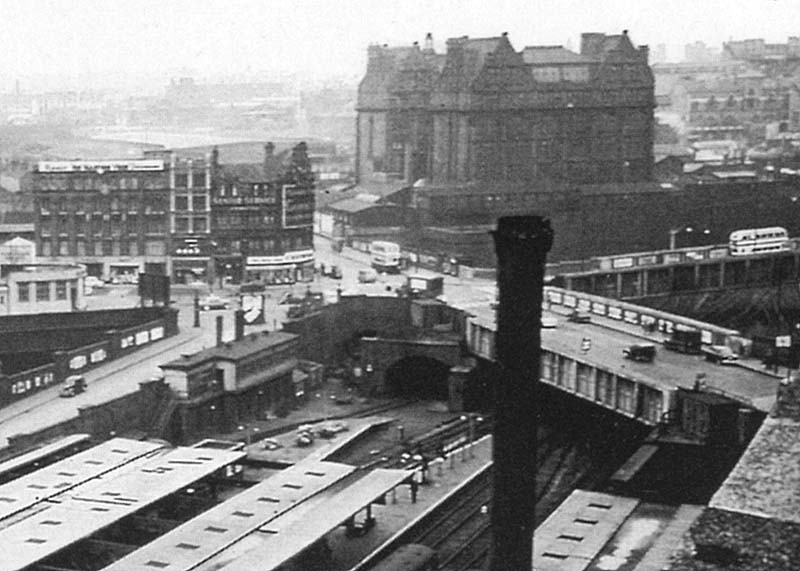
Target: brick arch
{"x":418,"y":376}
{"x":382,"y":354}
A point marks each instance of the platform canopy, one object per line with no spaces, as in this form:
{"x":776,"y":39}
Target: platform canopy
{"x":201,"y":538}
{"x":90,"y":508}
{"x":62,"y":476}
{"x":286,"y":537}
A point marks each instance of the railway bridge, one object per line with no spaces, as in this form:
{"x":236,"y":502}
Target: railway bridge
{"x":599,"y":373}
{"x":641,"y":275}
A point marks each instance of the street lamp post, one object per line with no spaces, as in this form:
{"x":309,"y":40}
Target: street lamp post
{"x":673,"y":233}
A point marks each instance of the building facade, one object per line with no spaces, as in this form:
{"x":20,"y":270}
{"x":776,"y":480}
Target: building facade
{"x":110,"y":215}
{"x":486,"y":130}
{"x":191,"y":219}
{"x":244,"y":380}
{"x":489,"y":116}
{"x":263,"y":218}
{"x":42,"y":289}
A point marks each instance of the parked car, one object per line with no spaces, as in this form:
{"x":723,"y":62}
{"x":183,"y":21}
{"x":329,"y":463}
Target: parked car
{"x":214,"y":302}
{"x":549,"y":322}
{"x":643,"y":352}
{"x":271,"y":444}
{"x":579,"y":317}
{"x":93,"y":282}
{"x":367,"y":276}
{"x":73,"y":385}
{"x":720,"y":354}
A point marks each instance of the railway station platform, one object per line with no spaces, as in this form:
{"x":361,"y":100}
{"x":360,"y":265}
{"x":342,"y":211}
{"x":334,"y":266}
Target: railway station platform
{"x":96,"y":504}
{"x":321,"y":448}
{"x":593,"y":531}
{"x":360,"y":515}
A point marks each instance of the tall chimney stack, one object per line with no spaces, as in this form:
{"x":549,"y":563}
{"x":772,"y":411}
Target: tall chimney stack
{"x":521,"y":244}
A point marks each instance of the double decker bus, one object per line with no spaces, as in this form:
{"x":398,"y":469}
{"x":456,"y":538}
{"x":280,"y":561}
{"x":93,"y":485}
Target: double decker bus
{"x":758,"y":241}
{"x":385,"y":256}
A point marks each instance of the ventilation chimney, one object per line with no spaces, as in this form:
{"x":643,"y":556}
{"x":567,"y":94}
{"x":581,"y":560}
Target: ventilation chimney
{"x":521,"y":243}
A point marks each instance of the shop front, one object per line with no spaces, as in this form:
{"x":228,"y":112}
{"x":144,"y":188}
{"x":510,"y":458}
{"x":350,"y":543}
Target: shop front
{"x":124,"y":272}
{"x":288,"y":268}
{"x":188,"y":270}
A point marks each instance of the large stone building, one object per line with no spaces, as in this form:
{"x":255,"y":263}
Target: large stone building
{"x":486,"y":114}
{"x":189,"y":218}
{"x":486,"y":130}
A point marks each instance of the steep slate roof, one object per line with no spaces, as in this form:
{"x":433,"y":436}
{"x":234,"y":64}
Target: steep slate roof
{"x":539,"y":55}
{"x":247,"y":345}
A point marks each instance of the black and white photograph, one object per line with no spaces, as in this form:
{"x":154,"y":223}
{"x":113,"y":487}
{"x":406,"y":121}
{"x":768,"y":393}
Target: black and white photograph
{"x":369,"y":285}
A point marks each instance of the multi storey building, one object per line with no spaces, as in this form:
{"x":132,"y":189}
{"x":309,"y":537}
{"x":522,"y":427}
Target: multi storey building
{"x":739,"y":106}
{"x":110,"y":215}
{"x":190,"y":219}
{"x":485,"y":130}
{"x":263,"y":219}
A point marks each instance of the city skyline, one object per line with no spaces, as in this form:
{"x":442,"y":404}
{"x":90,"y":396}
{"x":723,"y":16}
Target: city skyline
{"x":49,"y":44}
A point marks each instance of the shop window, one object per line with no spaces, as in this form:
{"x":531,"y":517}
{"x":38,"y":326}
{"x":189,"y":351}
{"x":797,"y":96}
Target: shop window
{"x":42,"y":291}
{"x":61,"y":289}
{"x":24,"y":291}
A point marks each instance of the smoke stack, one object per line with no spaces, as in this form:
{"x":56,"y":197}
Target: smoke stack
{"x":521,"y":244}
{"x":429,"y":41}
{"x":269,"y":159}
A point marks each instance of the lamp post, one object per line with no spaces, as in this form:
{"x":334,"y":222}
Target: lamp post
{"x":673,"y":233}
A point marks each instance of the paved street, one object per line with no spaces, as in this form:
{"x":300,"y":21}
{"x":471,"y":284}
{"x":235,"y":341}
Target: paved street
{"x":123,"y":376}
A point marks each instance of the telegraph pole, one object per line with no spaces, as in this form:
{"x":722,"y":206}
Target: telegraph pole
{"x":521,"y":243}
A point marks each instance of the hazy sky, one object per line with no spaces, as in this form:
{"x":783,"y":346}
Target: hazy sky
{"x":73,"y":38}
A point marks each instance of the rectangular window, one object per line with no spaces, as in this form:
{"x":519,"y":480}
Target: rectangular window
{"x":154,"y":248}
{"x":199,"y":202}
{"x":181,"y":203}
{"x":42,"y":291}
{"x":181,"y":180}
{"x":61,"y":289}
{"x":181,"y":224}
{"x":47,"y":249}
{"x":199,"y":179}
{"x":63,"y":248}
{"x":98,"y":248}
{"x":133,"y":248}
{"x":81,"y":247}
{"x":201,"y":224}
{"x":24,"y":291}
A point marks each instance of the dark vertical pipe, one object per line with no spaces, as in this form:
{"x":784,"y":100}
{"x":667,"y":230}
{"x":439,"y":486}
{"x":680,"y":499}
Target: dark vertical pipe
{"x":521,"y":243}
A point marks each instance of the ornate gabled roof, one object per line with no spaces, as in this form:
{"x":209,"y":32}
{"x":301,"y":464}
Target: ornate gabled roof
{"x":548,"y":55}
